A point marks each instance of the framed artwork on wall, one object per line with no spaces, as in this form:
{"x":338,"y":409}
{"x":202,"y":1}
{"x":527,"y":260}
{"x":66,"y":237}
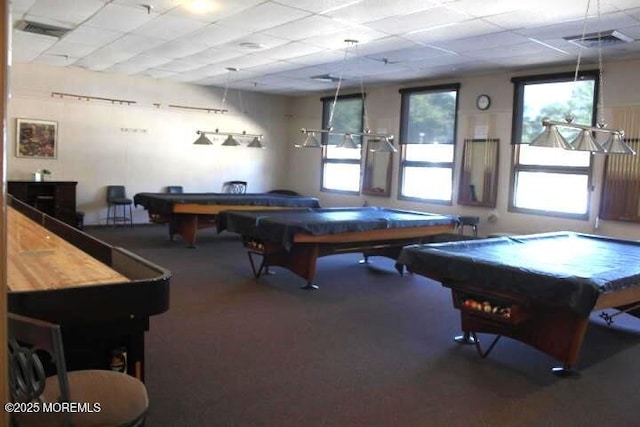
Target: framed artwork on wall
{"x":36,"y":139}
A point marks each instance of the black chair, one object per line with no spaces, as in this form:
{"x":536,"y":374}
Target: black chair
{"x":468,"y":221}
{"x":234,"y":187}
{"x":117,"y":197}
{"x":284,"y":192}
{"x":174,"y":189}
{"x":123,"y":399}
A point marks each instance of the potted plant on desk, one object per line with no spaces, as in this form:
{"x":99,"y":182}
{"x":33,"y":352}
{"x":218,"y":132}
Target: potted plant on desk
{"x":41,"y":174}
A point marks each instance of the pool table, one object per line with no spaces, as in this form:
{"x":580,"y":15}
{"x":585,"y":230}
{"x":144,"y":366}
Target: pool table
{"x":186,"y":213}
{"x":295,"y":239}
{"x":538,"y":289}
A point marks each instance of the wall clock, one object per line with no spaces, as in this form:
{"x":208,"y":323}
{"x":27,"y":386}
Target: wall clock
{"x":483,"y":102}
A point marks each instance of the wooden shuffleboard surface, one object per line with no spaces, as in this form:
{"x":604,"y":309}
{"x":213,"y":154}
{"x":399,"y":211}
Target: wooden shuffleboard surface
{"x":39,"y":260}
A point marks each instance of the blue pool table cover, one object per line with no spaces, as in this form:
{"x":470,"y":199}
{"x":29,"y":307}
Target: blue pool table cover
{"x":561,"y":268}
{"x":282,"y":226}
{"x":163,"y":203}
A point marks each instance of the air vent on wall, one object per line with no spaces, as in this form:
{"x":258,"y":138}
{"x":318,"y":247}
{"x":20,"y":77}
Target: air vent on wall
{"x":603,"y":38}
{"x":42,"y":29}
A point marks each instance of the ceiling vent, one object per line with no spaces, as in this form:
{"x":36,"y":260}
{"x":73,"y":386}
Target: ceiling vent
{"x":42,"y":29}
{"x":601,"y":39}
{"x":327,"y":78}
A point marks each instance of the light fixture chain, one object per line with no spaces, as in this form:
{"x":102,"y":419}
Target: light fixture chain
{"x":365,"y":117}
{"x":335,"y":97}
{"x":226,"y":87}
{"x":600,"y":71}
{"x":584,"y":32}
{"x":578,"y":62}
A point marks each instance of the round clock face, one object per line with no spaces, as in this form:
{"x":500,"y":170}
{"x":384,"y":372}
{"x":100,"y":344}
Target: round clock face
{"x":483,"y":102}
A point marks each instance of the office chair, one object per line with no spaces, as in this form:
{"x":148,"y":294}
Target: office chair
{"x":174,"y":189}
{"x":117,"y":196}
{"x":234,"y":187}
{"x":122,"y":399}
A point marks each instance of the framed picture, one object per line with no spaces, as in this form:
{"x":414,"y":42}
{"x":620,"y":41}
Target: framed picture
{"x":36,"y":138}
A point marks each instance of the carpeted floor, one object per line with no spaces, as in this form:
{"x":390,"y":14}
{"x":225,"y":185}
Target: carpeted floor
{"x":369,"y":348}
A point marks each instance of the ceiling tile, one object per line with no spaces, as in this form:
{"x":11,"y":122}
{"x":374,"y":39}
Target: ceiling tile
{"x":178,"y":66}
{"x":214,"y":34}
{"x":158,"y":6}
{"x":298,"y":39}
{"x":263,"y":16}
{"x":486,"y":41}
{"x":306,"y":27}
{"x":319,"y":6}
{"x":91,"y":36}
{"x":169,"y":27}
{"x":212,"y":55}
{"x":68,"y":12}
{"x":375,"y":10}
{"x":288,"y":51}
{"x":337,"y":41}
{"x":26,"y":46}
{"x":120,"y":18}
{"x":103,"y":58}
{"x":71,"y":49}
{"x":21,"y":6}
{"x":220,"y":10}
{"x":134,"y":44}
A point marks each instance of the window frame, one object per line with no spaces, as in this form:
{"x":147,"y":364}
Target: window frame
{"x":404,"y":109}
{"x":516,"y":135}
{"x":327,"y":102}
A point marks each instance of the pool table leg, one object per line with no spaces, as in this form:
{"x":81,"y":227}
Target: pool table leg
{"x":466,"y":338}
{"x":187,"y":227}
{"x":565,"y":371}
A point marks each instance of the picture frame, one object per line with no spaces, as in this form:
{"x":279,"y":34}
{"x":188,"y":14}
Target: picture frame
{"x":36,"y":139}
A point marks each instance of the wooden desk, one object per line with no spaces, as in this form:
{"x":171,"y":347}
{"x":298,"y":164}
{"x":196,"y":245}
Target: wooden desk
{"x":101,"y":296}
{"x":55,"y":198}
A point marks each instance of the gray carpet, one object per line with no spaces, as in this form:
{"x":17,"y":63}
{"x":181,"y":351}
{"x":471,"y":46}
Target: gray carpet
{"x":369,"y":348}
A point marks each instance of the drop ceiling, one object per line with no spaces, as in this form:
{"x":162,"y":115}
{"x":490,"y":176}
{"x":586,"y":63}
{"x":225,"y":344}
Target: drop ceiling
{"x":279,"y":46}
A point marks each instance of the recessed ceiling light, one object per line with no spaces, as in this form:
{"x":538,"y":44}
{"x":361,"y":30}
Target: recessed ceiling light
{"x":200,"y":6}
{"x":251,"y":45}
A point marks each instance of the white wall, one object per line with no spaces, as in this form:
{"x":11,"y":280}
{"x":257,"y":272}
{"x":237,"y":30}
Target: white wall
{"x":622,"y":88}
{"x":156,"y":149}
{"x":143,"y":146}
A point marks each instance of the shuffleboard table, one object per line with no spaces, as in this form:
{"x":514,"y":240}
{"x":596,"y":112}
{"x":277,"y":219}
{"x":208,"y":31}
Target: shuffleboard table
{"x":295,"y":239}
{"x":101,"y":296}
{"x":539,"y":289}
{"x":187,"y":213}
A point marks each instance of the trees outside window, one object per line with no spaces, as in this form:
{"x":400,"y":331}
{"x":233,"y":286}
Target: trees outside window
{"x":551,"y":181}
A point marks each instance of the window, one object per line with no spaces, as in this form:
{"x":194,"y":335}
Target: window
{"x":551,"y":181}
{"x":341,"y":166}
{"x":428,"y":122}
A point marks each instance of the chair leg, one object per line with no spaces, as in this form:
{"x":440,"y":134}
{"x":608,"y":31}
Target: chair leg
{"x":109,"y":207}
{"x":130,"y":216}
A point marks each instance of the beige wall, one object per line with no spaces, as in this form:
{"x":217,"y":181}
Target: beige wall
{"x":156,"y":150}
{"x":622,"y":88}
{"x":143,"y":146}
